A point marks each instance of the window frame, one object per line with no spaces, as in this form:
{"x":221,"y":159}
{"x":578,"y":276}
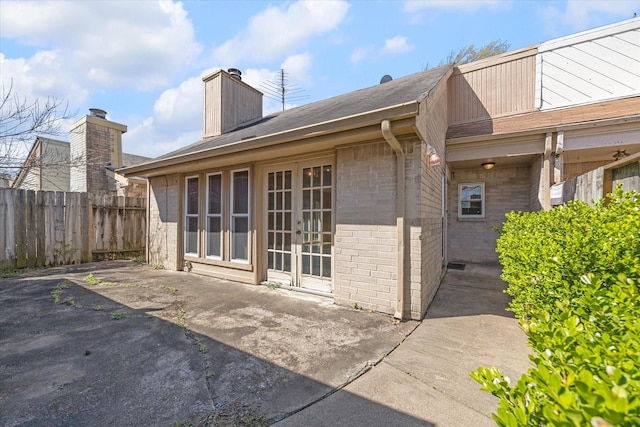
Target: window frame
{"x":461,"y":215}
{"x":232,"y":215}
{"x":219,"y":215}
{"x":188,"y":215}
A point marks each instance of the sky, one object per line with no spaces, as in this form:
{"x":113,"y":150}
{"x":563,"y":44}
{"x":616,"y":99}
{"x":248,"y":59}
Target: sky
{"x":143,"y":61}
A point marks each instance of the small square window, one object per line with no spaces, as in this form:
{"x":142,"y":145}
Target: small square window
{"x":471,"y":200}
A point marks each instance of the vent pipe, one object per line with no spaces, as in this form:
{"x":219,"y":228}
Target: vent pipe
{"x":235,"y":73}
{"x":97,"y":112}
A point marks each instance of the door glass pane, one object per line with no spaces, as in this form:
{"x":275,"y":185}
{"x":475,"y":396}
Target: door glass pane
{"x":270,"y":264}
{"x":306,"y":177}
{"x":317,"y":176}
{"x":326,"y":266}
{"x":326,"y":221}
{"x":306,"y":264}
{"x":306,"y":199}
{"x":316,"y":199}
{"x":271,"y":179}
{"x":287,"y":180}
{"x":286,"y":261}
{"x":326,"y":175}
{"x":278,"y":180}
{"x":287,"y":242}
{"x":271,"y":203}
{"x":315,"y":265}
{"x":287,"y":200}
{"x":326,"y":198}
{"x":279,"y":241}
{"x":287,"y":220}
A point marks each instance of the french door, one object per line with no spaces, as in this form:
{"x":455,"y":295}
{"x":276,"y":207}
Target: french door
{"x":299,"y":224}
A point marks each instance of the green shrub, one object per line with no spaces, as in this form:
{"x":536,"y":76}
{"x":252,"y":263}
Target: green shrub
{"x":542,"y":253}
{"x":574,"y":275}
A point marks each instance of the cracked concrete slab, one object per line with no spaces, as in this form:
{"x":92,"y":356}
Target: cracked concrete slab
{"x":146,"y":346}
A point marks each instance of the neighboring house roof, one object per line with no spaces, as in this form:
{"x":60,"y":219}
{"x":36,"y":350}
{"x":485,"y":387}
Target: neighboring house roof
{"x":32,"y":162}
{"x":133,"y":159}
{"x":406,"y":91}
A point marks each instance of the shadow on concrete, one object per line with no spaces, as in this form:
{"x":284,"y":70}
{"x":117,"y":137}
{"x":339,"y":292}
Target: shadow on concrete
{"x":476,"y":290}
{"x":90,"y":360}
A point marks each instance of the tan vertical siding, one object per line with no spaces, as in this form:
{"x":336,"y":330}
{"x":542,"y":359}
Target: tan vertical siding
{"x":505,"y":85}
{"x":228,"y":103}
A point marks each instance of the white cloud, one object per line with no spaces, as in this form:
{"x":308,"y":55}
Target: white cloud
{"x":415,"y":5}
{"x":585,"y":14}
{"x":359,"y":54}
{"x":397,"y":44}
{"x":103,"y":44}
{"x":279,"y":30}
{"x":297,"y":67}
{"x":393,"y":46}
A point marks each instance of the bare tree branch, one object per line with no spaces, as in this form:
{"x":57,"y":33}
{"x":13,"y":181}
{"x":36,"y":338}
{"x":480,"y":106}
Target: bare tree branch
{"x":21,"y":121}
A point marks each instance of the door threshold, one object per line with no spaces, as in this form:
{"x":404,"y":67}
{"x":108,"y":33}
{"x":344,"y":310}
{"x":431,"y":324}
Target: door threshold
{"x":280,"y":285}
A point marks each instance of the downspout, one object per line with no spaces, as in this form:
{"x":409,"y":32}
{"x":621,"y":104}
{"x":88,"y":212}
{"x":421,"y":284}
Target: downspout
{"x":400,"y":212}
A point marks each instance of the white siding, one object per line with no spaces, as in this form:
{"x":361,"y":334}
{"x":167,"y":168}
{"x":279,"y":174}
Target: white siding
{"x":590,"y":67}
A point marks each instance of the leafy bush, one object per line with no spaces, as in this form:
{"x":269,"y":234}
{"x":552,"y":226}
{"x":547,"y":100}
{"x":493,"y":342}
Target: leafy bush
{"x":574,"y":275}
{"x":542,"y":253}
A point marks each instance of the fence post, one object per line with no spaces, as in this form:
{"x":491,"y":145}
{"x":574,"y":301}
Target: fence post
{"x":20,"y":225}
{"x":40,"y":229}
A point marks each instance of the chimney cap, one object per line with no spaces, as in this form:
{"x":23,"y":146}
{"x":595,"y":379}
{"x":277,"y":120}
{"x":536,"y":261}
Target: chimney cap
{"x":235,"y":73}
{"x":97,"y":112}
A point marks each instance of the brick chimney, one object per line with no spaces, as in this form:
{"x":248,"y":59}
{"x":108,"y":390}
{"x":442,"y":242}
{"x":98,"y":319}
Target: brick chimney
{"x":95,"y":143}
{"x":228,"y":102}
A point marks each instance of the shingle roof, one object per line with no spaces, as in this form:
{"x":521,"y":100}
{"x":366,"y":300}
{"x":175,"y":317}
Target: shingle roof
{"x":395,"y":92}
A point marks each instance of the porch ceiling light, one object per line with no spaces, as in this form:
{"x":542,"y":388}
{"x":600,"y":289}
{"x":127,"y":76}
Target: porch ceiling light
{"x":488,"y":165}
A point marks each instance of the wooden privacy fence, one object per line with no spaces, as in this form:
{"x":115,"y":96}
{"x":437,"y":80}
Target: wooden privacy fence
{"x":46,"y":228}
{"x":596,"y":184}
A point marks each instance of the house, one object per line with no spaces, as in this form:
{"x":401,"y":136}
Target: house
{"x":367,"y":196}
{"x":46,"y":167}
{"x":86,"y":164}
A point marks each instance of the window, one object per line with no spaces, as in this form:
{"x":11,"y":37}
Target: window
{"x":471,"y":200}
{"x":214,"y":216}
{"x":240,"y":215}
{"x":191,"y":217}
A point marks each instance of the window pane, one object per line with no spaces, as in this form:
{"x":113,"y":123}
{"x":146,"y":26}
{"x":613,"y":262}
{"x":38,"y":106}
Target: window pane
{"x":316,"y":199}
{"x":287,"y":200}
{"x":191,"y":235}
{"x":287,"y":241}
{"x":317,"y":176}
{"x":279,"y":200}
{"x":241,"y":192}
{"x":192,"y":196}
{"x":213,"y":237}
{"x":472,"y":208}
{"x":306,"y":199}
{"x":279,"y":241}
{"x":271,"y":240}
{"x":278,"y":261}
{"x":215,"y":194}
{"x":271,"y":202}
{"x":240,"y":239}
{"x":287,"y":221}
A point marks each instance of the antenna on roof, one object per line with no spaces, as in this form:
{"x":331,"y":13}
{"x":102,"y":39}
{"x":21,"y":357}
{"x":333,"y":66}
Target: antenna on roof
{"x":280,"y":90}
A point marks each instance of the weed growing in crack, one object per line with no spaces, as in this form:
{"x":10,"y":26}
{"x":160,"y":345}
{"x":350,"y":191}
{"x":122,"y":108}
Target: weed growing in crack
{"x":57,"y":290}
{"x":91,"y":279}
{"x":98,"y":307}
{"x":170,"y":288}
{"x":181,"y":319}
{"x":118,"y":315}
